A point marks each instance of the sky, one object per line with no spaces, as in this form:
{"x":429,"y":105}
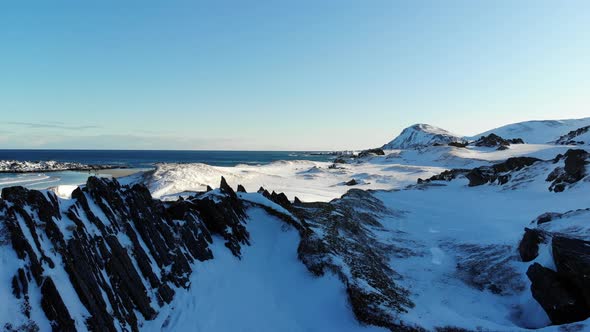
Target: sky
{"x":283,"y":75}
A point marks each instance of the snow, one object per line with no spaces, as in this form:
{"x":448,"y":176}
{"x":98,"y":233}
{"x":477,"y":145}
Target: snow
{"x":308,"y":180}
{"x":420,"y":135}
{"x":267,"y":290}
{"x":539,"y":132}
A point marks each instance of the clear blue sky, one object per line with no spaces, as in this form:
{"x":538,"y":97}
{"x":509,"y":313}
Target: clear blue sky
{"x":330,"y":74}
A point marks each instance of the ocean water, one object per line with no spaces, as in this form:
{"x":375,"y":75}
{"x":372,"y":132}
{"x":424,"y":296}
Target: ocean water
{"x":135,"y":159}
{"x":143,"y":158}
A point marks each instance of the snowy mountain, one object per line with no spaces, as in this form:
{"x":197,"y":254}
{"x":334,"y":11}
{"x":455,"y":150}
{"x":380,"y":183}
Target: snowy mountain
{"x":421,"y":135}
{"x":537,"y":132}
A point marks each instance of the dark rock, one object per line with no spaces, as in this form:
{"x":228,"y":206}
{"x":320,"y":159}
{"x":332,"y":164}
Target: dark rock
{"x":54,"y":307}
{"x":281,"y":199}
{"x":529,"y":245}
{"x":340,"y":160}
{"x":226,"y":189}
{"x":493,"y":140}
{"x":499,"y":173}
{"x":572,"y":260}
{"x":208,"y":189}
{"x":574,"y":170}
{"x":352,"y":182}
{"x":371,"y":152}
{"x":458,"y":144}
{"x":560,"y":300}
{"x":241,"y":189}
{"x":162,"y":240}
{"x":546,"y":217}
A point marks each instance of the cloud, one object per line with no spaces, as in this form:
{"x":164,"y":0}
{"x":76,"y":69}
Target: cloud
{"x":51,"y":125}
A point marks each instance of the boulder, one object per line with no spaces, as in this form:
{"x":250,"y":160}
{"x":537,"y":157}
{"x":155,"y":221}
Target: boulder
{"x":529,"y":245}
{"x":572,"y":260}
{"x":562,"y":302}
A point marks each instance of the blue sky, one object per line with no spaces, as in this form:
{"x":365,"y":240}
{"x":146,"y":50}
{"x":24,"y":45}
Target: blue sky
{"x":283,"y":75}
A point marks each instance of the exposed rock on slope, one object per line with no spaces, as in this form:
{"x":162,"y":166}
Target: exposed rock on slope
{"x":500,"y":173}
{"x":580,"y":136}
{"x":121,"y":251}
{"x":112,"y":257}
{"x":421,"y":135}
{"x":574,"y":170}
{"x":493,"y":140}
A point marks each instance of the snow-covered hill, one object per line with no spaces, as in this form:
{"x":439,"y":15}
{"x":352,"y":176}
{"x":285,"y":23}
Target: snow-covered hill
{"x":537,"y":132}
{"x":420,"y":135}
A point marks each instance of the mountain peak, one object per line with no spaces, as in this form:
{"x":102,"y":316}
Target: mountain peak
{"x":420,"y":135}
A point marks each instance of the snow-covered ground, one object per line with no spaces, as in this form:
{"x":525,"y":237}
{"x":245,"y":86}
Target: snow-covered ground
{"x":267,"y":290}
{"x":316,"y":181}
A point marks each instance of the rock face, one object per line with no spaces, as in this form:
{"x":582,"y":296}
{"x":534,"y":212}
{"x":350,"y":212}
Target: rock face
{"x":559,"y":299}
{"x":564,"y":293}
{"x":574,"y":169}
{"x":493,"y":140}
{"x":529,"y":245}
{"x":122,"y":251}
{"x":422,"y":135}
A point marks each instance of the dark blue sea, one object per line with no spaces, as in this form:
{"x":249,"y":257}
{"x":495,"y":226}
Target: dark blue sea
{"x":140,"y":160}
{"x":147,"y":158}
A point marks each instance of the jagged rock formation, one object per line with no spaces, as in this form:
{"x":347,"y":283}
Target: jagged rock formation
{"x":580,"y":136}
{"x":122,"y":251}
{"x":125,"y":254}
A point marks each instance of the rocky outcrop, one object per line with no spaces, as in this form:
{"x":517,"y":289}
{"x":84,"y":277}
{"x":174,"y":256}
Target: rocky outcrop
{"x":528,"y":248}
{"x":352,"y":182}
{"x":574,"y":169}
{"x":499,"y":173}
{"x":493,"y":140}
{"x":559,"y":299}
{"x":564,"y":293}
{"x":337,"y":238}
{"x":579,"y":136}
{"x":122,"y":251}
{"x":371,"y":152}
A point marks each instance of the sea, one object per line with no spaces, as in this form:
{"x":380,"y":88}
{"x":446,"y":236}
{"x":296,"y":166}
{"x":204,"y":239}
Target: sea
{"x":140,"y":160}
